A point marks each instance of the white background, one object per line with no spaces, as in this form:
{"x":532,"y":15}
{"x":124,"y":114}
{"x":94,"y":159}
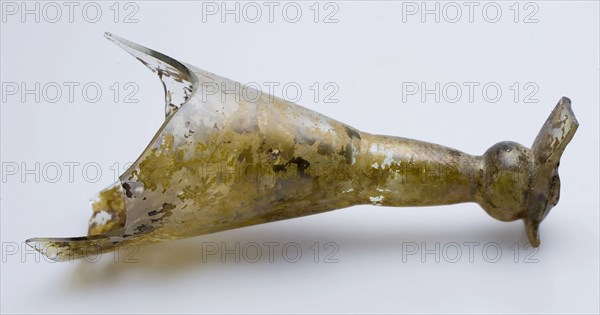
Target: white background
{"x":372,"y":50}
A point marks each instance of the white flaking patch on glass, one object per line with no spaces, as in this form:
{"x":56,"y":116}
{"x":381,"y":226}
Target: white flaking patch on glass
{"x":376,"y":200}
{"x":354,"y":154}
{"x":100,"y":218}
{"x":389,"y":158}
{"x":374,"y":148}
{"x":563,"y":115}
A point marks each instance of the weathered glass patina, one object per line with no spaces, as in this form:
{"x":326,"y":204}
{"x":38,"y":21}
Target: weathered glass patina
{"x":229,"y":156}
